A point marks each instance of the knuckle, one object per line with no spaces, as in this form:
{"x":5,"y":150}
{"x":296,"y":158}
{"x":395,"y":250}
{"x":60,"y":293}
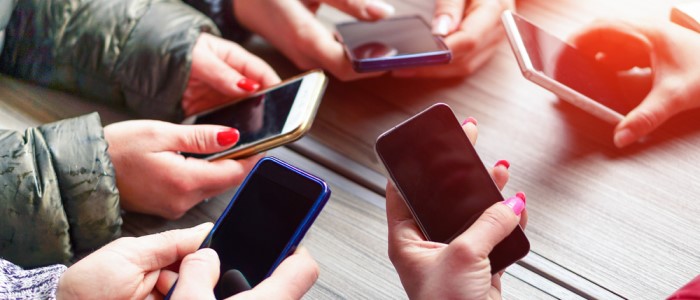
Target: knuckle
{"x":465,"y":252}
{"x":198,"y":140}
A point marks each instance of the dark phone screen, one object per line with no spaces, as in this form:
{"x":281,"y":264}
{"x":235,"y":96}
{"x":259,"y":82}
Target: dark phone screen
{"x":443,"y":180}
{"x":262,"y":220}
{"x":256,"y":118}
{"x":387,"y":38}
{"x":563,"y":63}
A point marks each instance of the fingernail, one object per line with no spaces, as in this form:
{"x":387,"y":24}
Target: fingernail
{"x":442,"y":25}
{"x":248,"y":85}
{"x":404,"y":73}
{"x":502,"y":162}
{"x":521,"y":195}
{"x":380,"y":8}
{"x":227,"y":137}
{"x":624,"y":138}
{"x":204,"y":227}
{"x":515,"y":203}
{"x":470,"y":120}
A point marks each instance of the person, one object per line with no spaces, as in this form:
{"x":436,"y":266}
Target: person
{"x":160,"y":60}
{"x":64,"y":183}
{"x":668,"y":49}
{"x":472,"y":31}
{"x":142,"y":267}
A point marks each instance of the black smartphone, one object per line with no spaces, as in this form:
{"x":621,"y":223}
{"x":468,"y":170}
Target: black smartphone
{"x":264,"y":223}
{"x":443,"y":181}
{"x":393,"y":43}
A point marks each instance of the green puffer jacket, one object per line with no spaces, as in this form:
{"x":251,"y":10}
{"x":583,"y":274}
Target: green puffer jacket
{"x":58,"y":194}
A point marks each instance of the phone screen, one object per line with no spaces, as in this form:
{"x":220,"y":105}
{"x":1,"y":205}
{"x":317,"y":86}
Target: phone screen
{"x":443,"y":180}
{"x":262,"y":223}
{"x":256,"y":118}
{"x":560,"y":61}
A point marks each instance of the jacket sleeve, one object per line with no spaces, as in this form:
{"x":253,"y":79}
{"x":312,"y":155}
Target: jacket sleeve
{"x":134,"y":53}
{"x":222,"y":13}
{"x":40,"y":283}
{"x":59,"y":194}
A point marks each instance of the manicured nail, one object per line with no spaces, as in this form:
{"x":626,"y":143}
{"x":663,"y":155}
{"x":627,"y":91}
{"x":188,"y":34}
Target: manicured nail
{"x":248,"y":85}
{"x":442,"y":25}
{"x":521,"y":195}
{"x":502,"y":162}
{"x":624,"y":138}
{"x":515,"y":203}
{"x":470,"y":120}
{"x":204,"y":227}
{"x":380,"y":8}
{"x":227,"y":137}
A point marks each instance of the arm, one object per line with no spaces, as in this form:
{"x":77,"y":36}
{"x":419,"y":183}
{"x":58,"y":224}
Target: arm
{"x":134,"y":53}
{"x":59,"y":195}
{"x":41,"y":283}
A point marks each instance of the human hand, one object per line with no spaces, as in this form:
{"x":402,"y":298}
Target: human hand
{"x":153,"y":178}
{"x":668,"y":49}
{"x":199,"y":273}
{"x":461,"y":269}
{"x":301,"y":37}
{"x":472,"y":30}
{"x":129,"y":268}
{"x":222,"y":70}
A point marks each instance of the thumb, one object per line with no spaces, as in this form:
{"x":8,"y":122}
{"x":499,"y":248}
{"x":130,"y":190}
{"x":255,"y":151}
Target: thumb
{"x":494,"y":225}
{"x":448,"y":13}
{"x":199,"y":273}
{"x":659,"y":105}
{"x":201,"y":139}
{"x":364,"y":10}
{"x":293,"y":278}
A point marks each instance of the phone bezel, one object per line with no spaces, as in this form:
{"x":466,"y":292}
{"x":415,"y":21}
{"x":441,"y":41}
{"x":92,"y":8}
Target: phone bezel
{"x":360,"y":65}
{"x":303,"y":112}
{"x":290,"y":181}
{"x":532,"y":74}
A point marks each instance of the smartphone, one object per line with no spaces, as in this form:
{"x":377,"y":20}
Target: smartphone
{"x":443,"y":181}
{"x":562,"y":69}
{"x":263,"y":224}
{"x":393,"y":43}
{"x":270,"y":118}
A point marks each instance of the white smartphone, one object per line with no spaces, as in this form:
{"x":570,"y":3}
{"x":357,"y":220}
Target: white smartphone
{"x":563,"y":70}
{"x":270,"y":118}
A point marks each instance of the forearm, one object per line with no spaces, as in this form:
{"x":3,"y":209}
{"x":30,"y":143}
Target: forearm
{"x":133,"y":53}
{"x":41,"y":283}
{"x":59,"y":195}
{"x":223,"y":14}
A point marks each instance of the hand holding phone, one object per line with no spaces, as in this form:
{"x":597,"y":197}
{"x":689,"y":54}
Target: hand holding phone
{"x":393,"y":43}
{"x":264,"y":223}
{"x":442,"y":180}
{"x":273,"y":117}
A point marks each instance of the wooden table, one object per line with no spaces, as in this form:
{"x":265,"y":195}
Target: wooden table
{"x":604,"y":223}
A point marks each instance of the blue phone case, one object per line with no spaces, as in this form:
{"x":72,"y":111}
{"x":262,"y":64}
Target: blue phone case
{"x":302,"y":228}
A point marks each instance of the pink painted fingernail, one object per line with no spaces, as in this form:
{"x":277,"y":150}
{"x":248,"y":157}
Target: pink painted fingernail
{"x":442,"y":25}
{"x":502,"y":162}
{"x":470,"y":120}
{"x":248,"y":85}
{"x":227,"y":137}
{"x":515,"y":203}
{"x":521,"y":195}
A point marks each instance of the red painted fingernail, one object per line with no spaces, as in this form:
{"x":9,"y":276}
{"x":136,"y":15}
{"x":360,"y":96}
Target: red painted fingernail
{"x":502,"y":162}
{"x":470,"y":120}
{"x":515,"y":203}
{"x":248,"y":84}
{"x":521,"y":195}
{"x":227,"y":137}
